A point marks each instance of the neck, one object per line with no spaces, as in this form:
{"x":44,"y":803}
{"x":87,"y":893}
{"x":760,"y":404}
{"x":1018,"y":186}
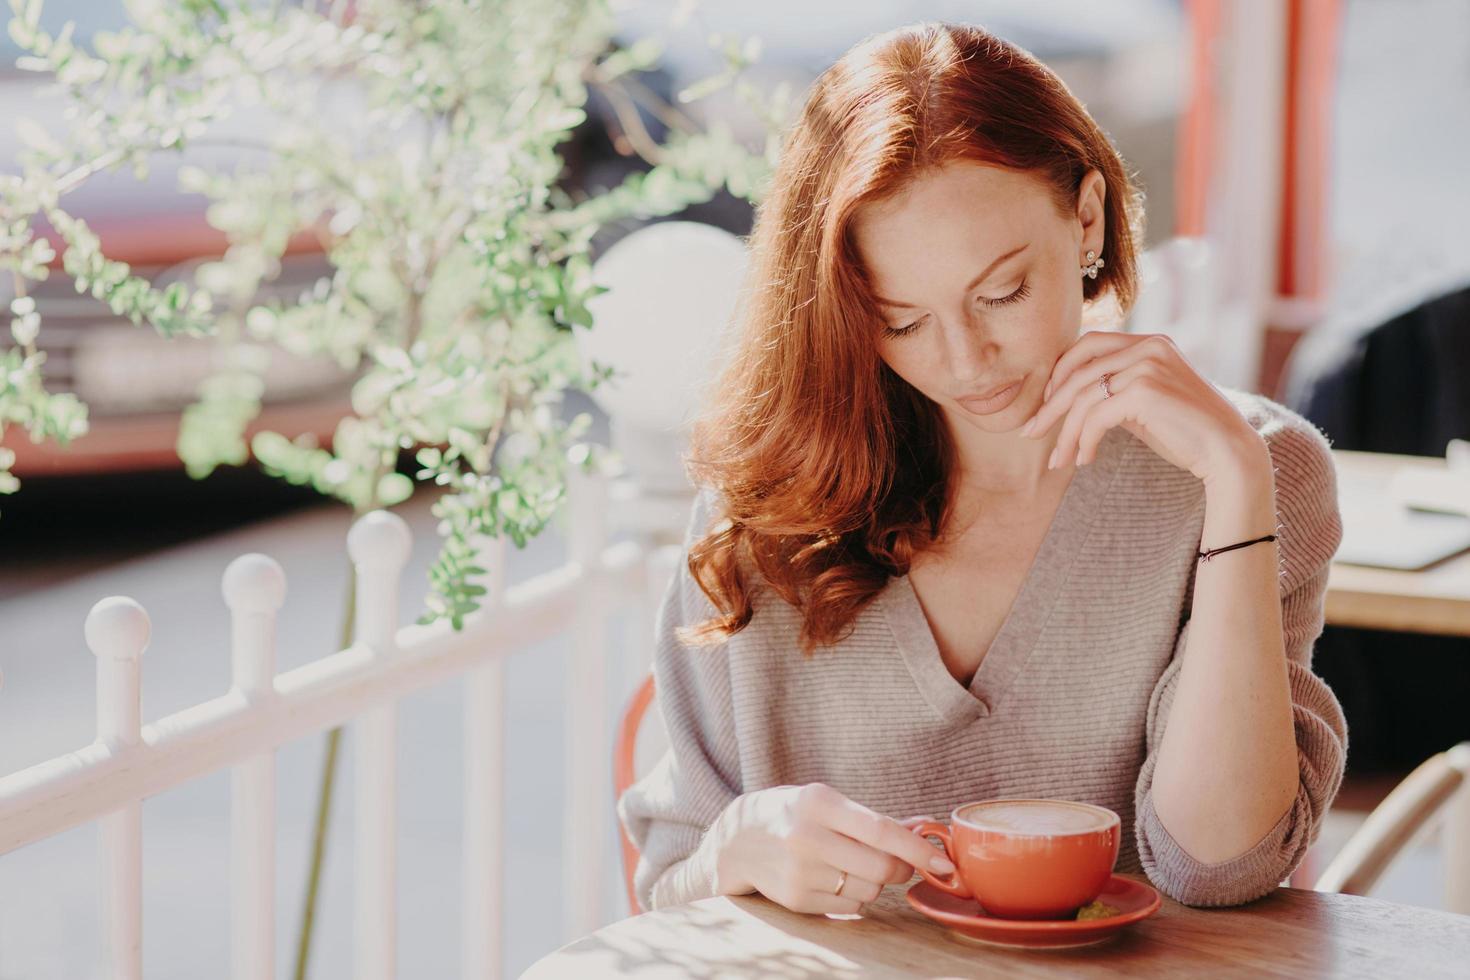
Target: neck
{"x":1004,"y":465}
{"x":1003,"y":487}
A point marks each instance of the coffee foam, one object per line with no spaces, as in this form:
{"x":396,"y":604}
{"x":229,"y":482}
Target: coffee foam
{"x":1036,"y":818}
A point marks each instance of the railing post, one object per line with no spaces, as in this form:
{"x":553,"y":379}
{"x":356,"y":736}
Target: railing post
{"x":379,"y":543}
{"x":588,"y":793}
{"x":484,"y":792}
{"x":117,"y":632}
{"x":254,"y":588}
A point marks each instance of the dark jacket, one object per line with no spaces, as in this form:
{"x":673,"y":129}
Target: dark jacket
{"x":1400,"y":386}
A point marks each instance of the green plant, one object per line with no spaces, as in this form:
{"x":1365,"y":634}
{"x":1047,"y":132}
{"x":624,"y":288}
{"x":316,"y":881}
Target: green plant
{"x":459,"y":269}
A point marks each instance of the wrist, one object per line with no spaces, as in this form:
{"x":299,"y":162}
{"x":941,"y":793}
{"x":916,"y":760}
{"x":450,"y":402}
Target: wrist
{"x":724,"y":841}
{"x":1243,"y":466}
{"x":1240,"y":494}
{"x":1238,"y":510}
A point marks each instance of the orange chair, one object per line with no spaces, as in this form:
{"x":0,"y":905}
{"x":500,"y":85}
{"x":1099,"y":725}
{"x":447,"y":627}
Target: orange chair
{"x":624,"y":774}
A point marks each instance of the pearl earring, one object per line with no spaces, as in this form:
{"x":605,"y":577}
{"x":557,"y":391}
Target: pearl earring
{"x":1090,"y":269}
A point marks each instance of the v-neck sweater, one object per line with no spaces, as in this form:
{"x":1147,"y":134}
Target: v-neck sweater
{"x":1069,"y":702}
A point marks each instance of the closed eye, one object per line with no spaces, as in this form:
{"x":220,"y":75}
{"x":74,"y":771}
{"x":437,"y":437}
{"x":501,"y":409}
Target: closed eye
{"x":1022,"y":291}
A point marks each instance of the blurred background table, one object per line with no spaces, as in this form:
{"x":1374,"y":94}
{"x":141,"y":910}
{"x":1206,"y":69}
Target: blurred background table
{"x":1432,"y":600}
{"x":1289,"y":933}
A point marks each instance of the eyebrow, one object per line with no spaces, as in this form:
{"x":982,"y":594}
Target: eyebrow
{"x":973,"y":282}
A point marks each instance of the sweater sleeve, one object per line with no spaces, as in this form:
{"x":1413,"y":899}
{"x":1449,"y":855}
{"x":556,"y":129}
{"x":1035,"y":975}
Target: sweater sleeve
{"x":670,"y":813}
{"x":1309,"y":529}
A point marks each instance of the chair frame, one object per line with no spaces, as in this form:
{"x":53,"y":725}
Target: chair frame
{"x":1418,"y":800}
{"x":624,"y":775}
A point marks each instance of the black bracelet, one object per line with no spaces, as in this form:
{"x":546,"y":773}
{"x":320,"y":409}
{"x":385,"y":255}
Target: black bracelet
{"x":1207,"y":555}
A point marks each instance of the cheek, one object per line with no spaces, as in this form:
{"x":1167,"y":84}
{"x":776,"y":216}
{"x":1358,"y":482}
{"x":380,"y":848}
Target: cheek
{"x":912,"y":362}
{"x":1053,"y":319}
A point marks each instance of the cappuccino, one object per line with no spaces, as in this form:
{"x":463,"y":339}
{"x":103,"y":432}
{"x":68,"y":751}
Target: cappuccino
{"x":1027,"y":858}
{"x":1037,"y":817}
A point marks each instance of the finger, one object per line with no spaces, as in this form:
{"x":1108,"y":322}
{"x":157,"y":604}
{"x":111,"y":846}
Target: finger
{"x":813,"y":888}
{"x":1129,"y":388}
{"x":861,"y":890}
{"x":1065,"y":450}
{"x":1086,"y":405}
{"x":1067,"y":390}
{"x":909,"y":823}
{"x":1092,"y":344}
{"x":860,"y":860}
{"x":886,"y":834}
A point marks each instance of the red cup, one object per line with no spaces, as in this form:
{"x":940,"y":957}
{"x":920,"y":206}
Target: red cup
{"x":1025,"y":858}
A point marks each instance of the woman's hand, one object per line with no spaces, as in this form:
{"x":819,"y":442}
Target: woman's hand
{"x":792,"y":844}
{"x":1157,"y":395}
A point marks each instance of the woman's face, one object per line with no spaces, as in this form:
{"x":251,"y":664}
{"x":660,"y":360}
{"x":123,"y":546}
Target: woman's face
{"x":982,"y":277}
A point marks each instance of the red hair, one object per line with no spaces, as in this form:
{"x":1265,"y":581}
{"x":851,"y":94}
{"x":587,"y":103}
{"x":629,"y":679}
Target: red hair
{"x":832,"y":472}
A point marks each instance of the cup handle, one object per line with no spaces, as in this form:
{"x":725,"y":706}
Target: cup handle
{"x":953,"y":883}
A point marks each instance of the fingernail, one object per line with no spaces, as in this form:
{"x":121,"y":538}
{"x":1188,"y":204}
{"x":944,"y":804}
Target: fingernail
{"x":1030,"y":424}
{"x":1051,"y":462}
{"x":941,"y":865}
{"x":1046,"y":392}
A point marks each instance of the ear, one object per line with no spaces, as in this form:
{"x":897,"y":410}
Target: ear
{"x":1090,"y":216}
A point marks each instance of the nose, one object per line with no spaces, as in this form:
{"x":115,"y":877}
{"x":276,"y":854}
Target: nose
{"x":968,"y":350}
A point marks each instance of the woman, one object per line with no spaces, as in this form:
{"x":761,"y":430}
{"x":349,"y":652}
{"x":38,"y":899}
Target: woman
{"x":947,"y":549}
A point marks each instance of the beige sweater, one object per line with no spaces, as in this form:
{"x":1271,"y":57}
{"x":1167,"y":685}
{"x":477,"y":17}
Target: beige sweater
{"x":1070,"y":702}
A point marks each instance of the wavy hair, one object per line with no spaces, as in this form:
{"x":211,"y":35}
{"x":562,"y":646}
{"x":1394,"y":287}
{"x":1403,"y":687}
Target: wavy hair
{"x":831,"y":471}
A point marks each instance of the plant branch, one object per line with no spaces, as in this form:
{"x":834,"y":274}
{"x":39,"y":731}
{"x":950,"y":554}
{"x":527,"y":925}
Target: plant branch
{"x":632,"y":123}
{"x":324,"y":795}
{"x":667,"y":113}
{"x":329,"y":764}
{"x":74,"y":178}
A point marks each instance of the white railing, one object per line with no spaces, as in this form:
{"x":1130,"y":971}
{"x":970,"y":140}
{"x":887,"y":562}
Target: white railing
{"x":129,"y":761}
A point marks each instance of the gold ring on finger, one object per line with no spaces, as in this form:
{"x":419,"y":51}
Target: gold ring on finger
{"x":841,"y":881}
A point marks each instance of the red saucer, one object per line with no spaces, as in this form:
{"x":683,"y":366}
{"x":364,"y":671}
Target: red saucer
{"x":964,"y":917}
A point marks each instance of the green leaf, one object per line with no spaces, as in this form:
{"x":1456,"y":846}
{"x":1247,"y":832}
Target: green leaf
{"x":394,"y":488}
{"x":567,"y":118}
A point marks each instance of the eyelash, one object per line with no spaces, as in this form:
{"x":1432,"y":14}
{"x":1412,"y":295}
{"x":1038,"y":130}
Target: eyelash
{"x":1022,"y":291}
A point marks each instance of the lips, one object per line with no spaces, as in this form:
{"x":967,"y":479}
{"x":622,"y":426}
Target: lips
{"x":997,"y":400}
{"x":986,"y":395}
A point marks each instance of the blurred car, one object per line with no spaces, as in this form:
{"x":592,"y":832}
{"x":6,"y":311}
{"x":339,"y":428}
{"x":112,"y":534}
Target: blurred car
{"x":134,"y":381}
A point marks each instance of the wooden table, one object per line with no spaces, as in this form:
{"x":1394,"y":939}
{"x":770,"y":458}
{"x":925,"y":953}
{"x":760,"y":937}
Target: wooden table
{"x":1433,"y":600}
{"x":1289,"y":933}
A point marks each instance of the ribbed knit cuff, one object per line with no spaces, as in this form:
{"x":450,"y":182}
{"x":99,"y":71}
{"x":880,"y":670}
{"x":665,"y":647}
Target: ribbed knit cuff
{"x":1241,"y":879}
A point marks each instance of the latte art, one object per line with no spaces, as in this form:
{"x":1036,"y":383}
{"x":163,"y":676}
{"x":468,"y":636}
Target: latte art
{"x":1036,"y":818}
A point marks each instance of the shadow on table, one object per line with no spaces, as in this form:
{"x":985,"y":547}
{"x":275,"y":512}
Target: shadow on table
{"x":695,"y":942}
